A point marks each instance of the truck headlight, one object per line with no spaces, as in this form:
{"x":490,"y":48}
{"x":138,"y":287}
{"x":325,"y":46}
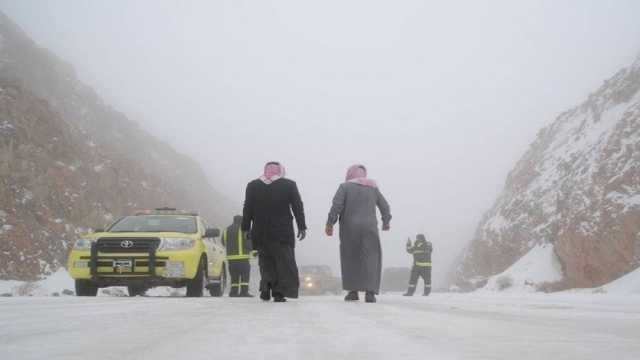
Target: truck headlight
{"x":82,"y":244}
{"x":168,"y":244}
{"x":174,"y":269}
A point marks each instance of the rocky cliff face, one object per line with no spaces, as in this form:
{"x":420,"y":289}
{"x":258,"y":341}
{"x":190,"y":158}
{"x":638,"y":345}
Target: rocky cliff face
{"x":69,"y":162}
{"x":577,"y":188}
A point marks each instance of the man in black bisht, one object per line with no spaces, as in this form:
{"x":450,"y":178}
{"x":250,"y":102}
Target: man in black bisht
{"x":421,"y":251}
{"x":268,"y":205}
{"x":239,"y":251}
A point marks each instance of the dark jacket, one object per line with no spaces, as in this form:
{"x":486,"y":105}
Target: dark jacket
{"x":238,"y":247}
{"x":268,"y":211}
{"x":421,"y":251}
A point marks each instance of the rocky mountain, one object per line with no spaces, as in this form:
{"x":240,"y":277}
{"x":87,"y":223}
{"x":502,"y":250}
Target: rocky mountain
{"x":577,"y":189}
{"x":69,"y":162}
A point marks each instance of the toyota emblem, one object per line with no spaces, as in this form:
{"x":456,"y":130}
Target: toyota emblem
{"x":126,"y":244}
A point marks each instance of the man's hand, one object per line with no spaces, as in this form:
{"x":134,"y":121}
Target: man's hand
{"x":386,"y":227}
{"x":254,"y":253}
{"x":328,"y":230}
{"x":302,"y":234}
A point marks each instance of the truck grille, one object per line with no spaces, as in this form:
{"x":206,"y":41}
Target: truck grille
{"x":108,"y":262}
{"x":140,"y":265}
{"x":127,"y":245}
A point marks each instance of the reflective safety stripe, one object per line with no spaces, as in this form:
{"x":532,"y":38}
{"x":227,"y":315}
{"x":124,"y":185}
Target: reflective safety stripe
{"x":240,"y":242}
{"x":240,"y":284}
{"x":412,"y":285}
{"x":423,"y":264}
{"x":240,"y":255}
{"x":427,"y":285}
{"x":418,"y":252}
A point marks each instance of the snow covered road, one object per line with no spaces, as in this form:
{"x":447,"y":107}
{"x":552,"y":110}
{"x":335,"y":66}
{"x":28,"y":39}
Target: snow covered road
{"x":443,"y":326}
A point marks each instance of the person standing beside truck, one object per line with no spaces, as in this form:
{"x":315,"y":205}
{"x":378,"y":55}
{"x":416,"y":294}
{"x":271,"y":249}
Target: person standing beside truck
{"x":421,"y":251}
{"x":239,"y":251}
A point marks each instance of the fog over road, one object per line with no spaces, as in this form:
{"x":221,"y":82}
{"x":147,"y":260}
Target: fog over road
{"x":443,"y":326}
{"x":439,"y":99}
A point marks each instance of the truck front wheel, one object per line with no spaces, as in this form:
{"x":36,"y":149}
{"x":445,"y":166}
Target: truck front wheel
{"x":217,"y":289}
{"x":86,"y":288}
{"x":195,"y":286}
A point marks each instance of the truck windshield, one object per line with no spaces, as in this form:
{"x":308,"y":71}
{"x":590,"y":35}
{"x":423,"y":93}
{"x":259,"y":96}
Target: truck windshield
{"x":156,"y":223}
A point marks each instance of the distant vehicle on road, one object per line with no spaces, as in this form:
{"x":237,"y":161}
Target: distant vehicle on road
{"x":162,"y":247}
{"x":395,"y":279}
{"x":318,"y":280}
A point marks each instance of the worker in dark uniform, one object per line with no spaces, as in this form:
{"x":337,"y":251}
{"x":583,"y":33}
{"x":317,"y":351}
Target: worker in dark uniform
{"x":421,"y":251}
{"x":239,"y":251}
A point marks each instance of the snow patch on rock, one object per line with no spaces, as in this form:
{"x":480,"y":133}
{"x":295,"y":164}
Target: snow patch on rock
{"x":6,"y":128}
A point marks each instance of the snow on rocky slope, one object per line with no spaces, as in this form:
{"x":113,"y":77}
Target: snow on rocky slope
{"x":69,"y":162}
{"x":578,"y":188}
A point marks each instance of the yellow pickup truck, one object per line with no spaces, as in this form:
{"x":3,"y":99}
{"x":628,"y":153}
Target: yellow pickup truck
{"x":162,"y":247}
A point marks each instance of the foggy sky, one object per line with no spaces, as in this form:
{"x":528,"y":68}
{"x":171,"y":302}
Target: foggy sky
{"x":437,"y":99}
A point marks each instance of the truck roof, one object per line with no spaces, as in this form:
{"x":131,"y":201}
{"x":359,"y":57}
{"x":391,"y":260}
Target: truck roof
{"x":165,"y":211}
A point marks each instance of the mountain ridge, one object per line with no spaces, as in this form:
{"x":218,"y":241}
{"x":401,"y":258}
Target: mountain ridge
{"x":576,"y":188}
{"x":99,"y":164}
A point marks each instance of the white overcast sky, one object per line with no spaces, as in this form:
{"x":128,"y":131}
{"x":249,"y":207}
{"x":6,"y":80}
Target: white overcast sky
{"x":438,"y":99}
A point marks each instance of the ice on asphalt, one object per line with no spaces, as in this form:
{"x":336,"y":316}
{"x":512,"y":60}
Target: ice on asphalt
{"x":443,"y":326}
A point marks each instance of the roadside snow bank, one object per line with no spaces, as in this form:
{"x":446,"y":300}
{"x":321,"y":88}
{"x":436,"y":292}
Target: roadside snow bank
{"x":60,"y":284}
{"x":540,"y":265}
{"x":626,"y":285}
{"x":53,"y":284}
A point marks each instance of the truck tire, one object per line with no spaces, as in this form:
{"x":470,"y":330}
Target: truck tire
{"x":136,"y":290}
{"x":195,"y":286}
{"x":217,"y":290}
{"x":86,"y":288}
